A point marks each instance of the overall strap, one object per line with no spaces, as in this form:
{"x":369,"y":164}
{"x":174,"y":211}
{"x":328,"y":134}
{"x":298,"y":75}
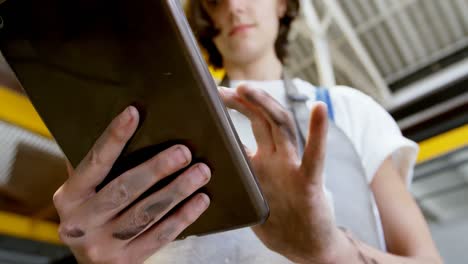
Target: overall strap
{"x":323,"y":95}
{"x":298,"y":107}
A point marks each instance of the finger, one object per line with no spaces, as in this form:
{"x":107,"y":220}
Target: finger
{"x":248,"y":151}
{"x":314,"y":151}
{"x":161,"y":234}
{"x":152,"y":209}
{"x":260,"y":126}
{"x":280,"y":119}
{"x":100,"y":159}
{"x":126,"y":188}
{"x":70,"y":169}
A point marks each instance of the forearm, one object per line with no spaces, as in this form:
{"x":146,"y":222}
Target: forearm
{"x":347,"y":249}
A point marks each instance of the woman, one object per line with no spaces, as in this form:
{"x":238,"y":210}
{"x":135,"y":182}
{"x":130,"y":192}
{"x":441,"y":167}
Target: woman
{"x":248,"y":39}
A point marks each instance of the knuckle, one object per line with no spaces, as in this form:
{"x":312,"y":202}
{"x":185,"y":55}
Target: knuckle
{"x":64,"y":230}
{"x":141,"y":218}
{"x":94,"y":157}
{"x":261,"y":122}
{"x":145,"y":213}
{"x":164,"y":238}
{"x":187,"y":218}
{"x":117,"y":134}
{"x":58,"y":198}
{"x":284,"y":117}
{"x":182,"y":189}
{"x":119,"y":192}
{"x":164,"y":164}
{"x":63,"y":237}
{"x":93,"y":253}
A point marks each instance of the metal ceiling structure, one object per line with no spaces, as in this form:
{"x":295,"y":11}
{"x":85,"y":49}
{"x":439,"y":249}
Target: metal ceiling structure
{"x":382,"y":47}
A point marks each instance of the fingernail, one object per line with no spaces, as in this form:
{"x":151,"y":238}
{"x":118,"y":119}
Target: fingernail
{"x":203,"y":202}
{"x":132,"y":111}
{"x":128,"y":115}
{"x":204,"y":174}
{"x":184,"y":153}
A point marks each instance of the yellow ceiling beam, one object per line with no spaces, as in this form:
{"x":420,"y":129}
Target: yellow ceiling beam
{"x":16,"y":109}
{"x":29,"y":228}
{"x":443,"y":143}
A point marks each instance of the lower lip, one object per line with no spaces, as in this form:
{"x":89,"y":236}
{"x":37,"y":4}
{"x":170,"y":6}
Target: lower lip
{"x":240,"y":30}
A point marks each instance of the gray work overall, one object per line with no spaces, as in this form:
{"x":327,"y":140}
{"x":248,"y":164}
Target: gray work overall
{"x":345,"y":179}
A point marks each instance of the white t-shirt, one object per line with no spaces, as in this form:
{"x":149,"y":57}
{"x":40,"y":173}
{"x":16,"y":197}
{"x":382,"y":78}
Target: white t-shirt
{"x":362,"y":119}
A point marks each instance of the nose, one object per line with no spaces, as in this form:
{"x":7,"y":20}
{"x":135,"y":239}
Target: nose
{"x":237,"y":6}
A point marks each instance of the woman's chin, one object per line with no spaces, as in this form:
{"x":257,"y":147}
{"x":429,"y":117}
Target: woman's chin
{"x":245,"y":57}
{"x":246,"y":51}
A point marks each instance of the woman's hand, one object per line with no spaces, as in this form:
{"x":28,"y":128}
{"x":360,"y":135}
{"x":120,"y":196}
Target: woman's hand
{"x":95,"y":225}
{"x":301,"y":225}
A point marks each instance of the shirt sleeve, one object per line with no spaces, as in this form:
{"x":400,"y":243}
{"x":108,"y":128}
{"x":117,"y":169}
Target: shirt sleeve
{"x":373,"y":132}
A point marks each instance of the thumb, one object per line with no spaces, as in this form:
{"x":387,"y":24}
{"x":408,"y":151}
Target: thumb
{"x":227,"y":95}
{"x":248,"y":152}
{"x":70,"y":169}
{"x":315,"y":148}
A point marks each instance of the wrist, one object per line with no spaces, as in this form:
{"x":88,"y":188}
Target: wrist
{"x":341,"y":249}
{"x":347,"y":250}
{"x":335,"y":252}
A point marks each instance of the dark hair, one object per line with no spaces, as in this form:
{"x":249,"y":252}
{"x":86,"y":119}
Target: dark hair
{"x":204,"y":30}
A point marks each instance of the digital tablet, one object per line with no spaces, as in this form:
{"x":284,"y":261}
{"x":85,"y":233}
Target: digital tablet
{"x":82,"y":62}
